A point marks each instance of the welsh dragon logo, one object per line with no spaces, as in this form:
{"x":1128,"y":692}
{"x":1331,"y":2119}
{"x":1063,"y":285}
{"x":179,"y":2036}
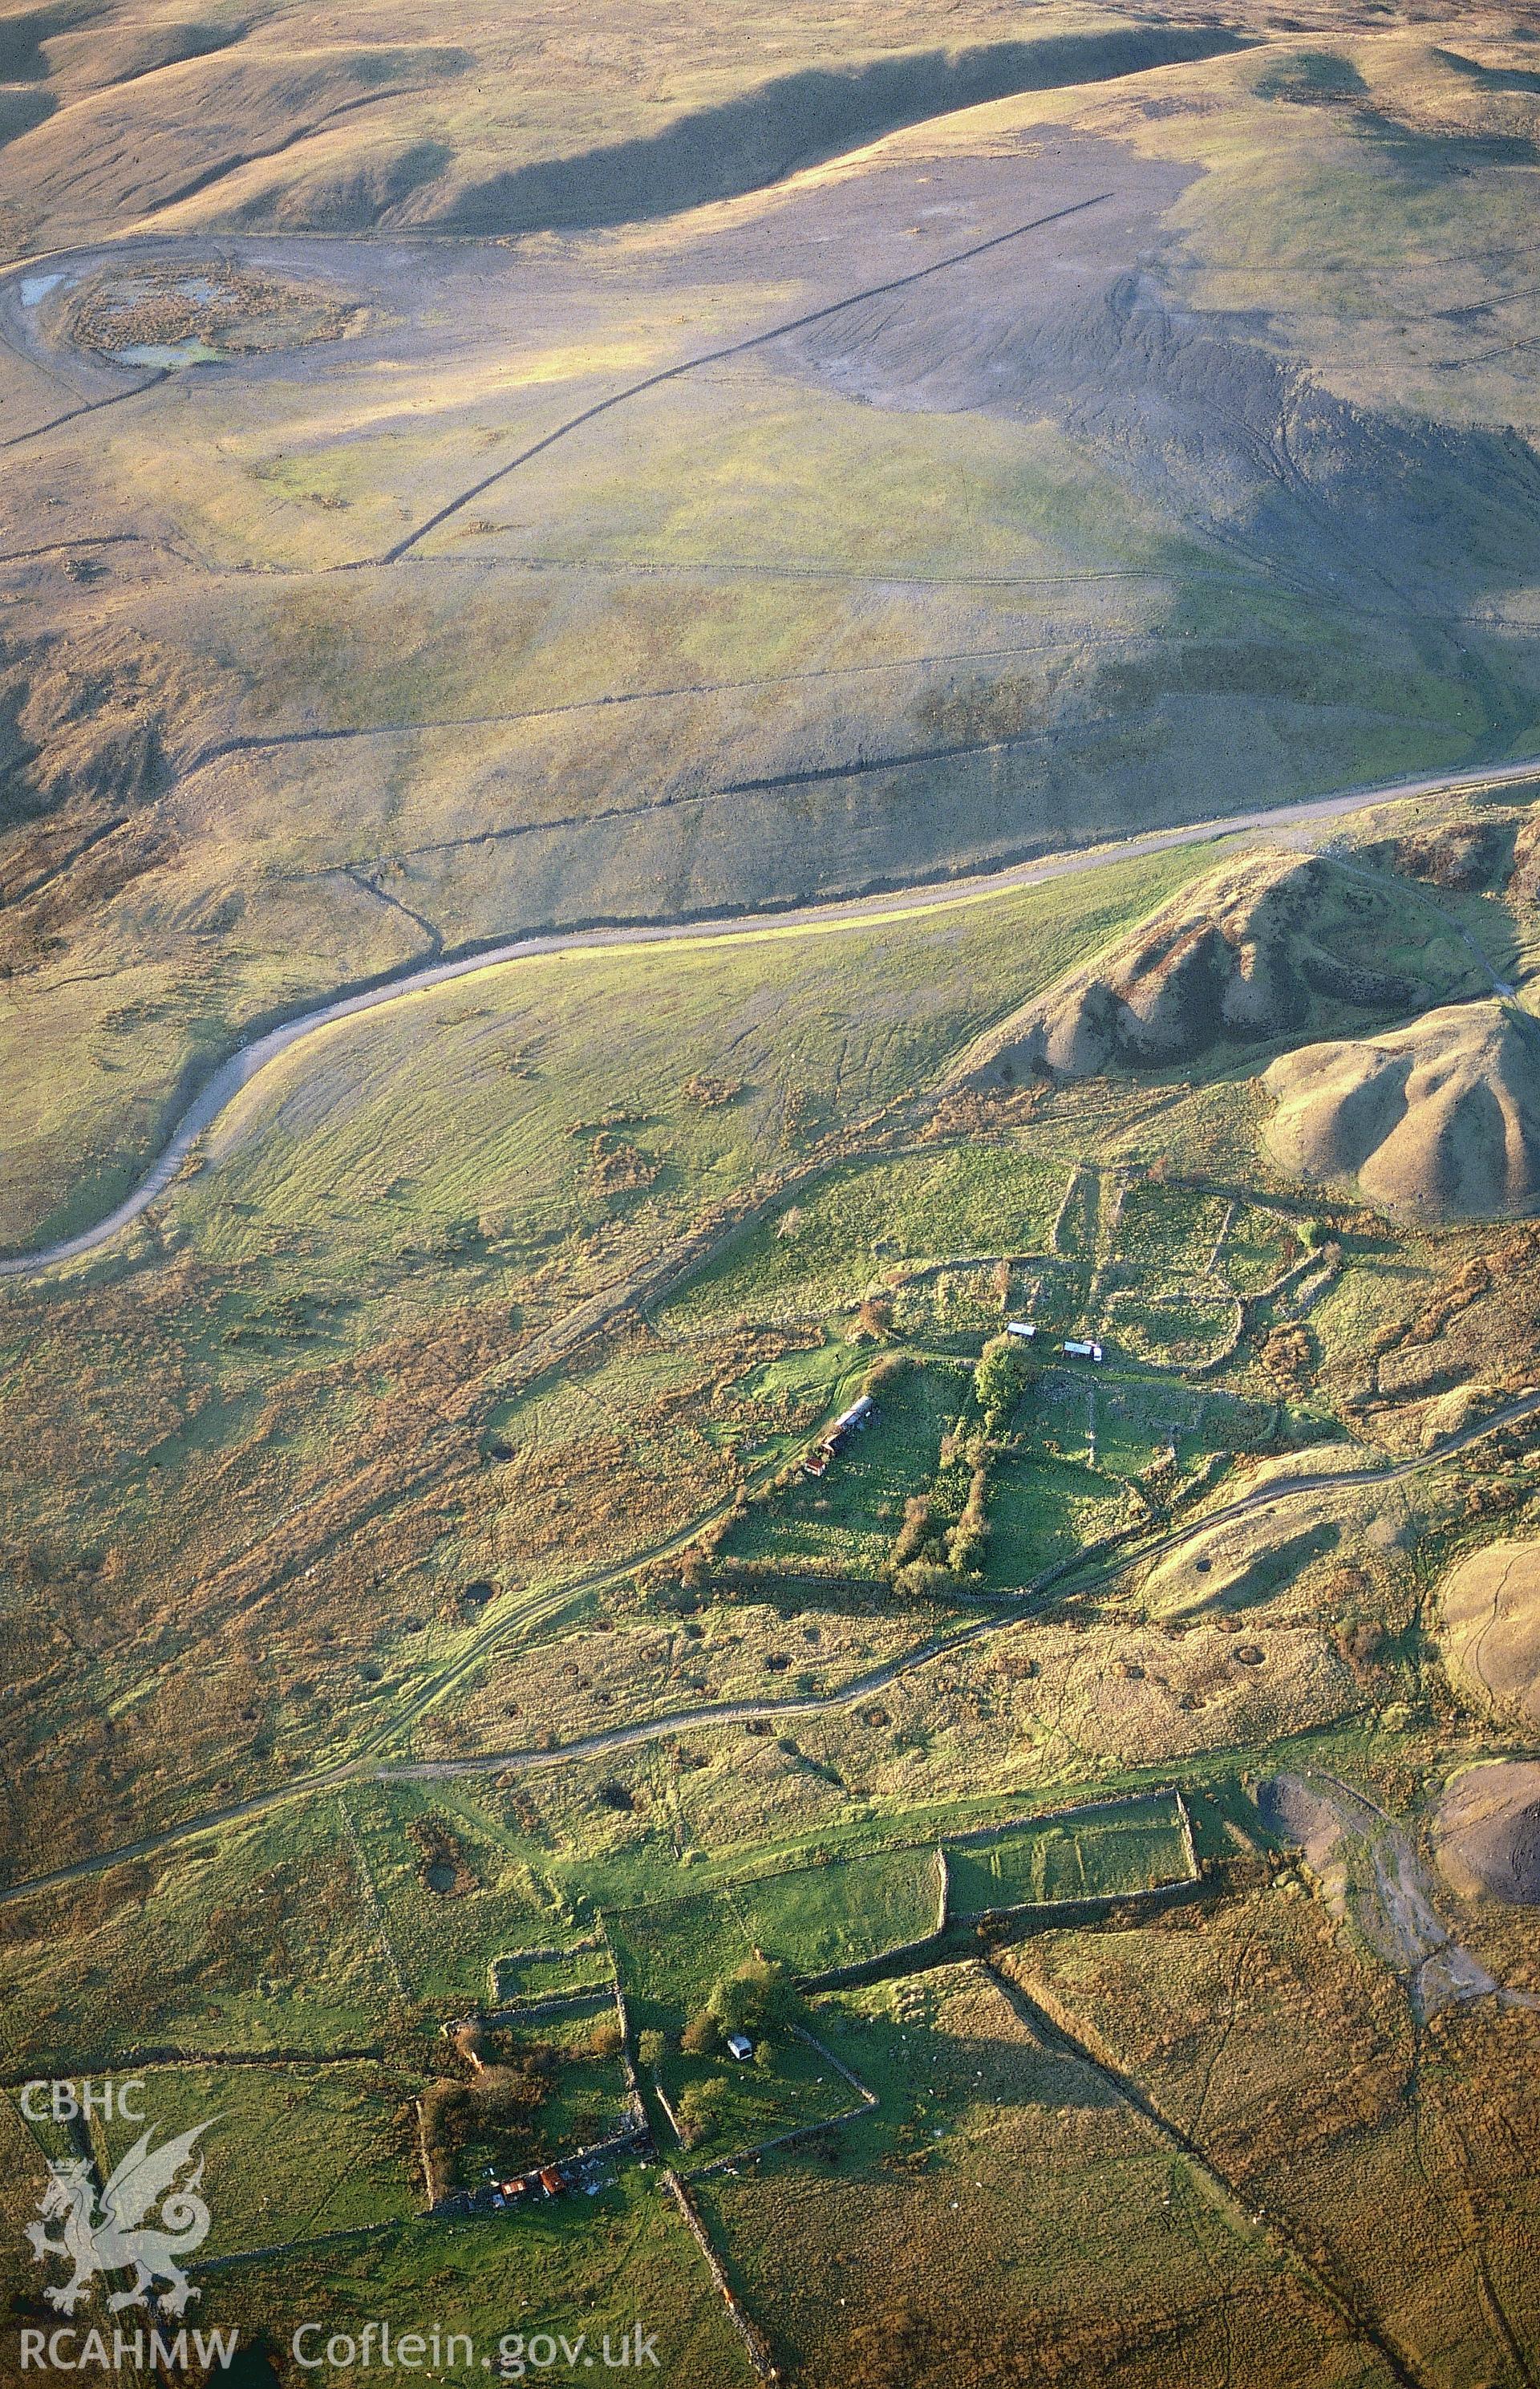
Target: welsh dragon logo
{"x":111,"y":2235}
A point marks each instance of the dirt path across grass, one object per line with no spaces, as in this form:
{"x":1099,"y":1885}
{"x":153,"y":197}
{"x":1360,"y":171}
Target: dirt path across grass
{"x":249,"y":1060}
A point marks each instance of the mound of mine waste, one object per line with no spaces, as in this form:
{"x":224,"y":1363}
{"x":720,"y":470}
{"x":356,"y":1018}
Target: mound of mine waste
{"x":1491,"y":1604}
{"x":1488,"y":1833}
{"x":1249,"y":953}
{"x":1440,"y":1118}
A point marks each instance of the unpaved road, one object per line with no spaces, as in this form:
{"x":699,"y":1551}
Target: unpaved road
{"x":373,"y":1769}
{"x":247,"y":1061}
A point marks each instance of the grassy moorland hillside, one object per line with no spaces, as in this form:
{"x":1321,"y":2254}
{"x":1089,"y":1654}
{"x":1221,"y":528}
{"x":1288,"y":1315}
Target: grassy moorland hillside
{"x":395,"y":1228}
{"x":417,"y":1615}
{"x":462,"y":476}
{"x":372,"y":596}
{"x":274,"y":118}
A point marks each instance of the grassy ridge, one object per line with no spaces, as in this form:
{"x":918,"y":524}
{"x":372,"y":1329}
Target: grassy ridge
{"x":454,"y":130}
{"x":1017,"y":626}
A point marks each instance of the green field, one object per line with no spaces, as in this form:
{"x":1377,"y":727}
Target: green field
{"x":295,"y":2151}
{"x":1170,"y":1229}
{"x":810,"y":1918}
{"x":842,"y":1914}
{"x":1188,"y":1327}
{"x":1042,"y":1511}
{"x":452,"y":1892}
{"x":258,"y":1939}
{"x":569,"y":2269}
{"x":1258,"y":1247}
{"x":845,"y":1521}
{"x":786,"y":2086}
{"x":515,"y":1977}
{"x":862,"y":1224}
{"x":671,"y":1955}
{"x":1094,"y":1856}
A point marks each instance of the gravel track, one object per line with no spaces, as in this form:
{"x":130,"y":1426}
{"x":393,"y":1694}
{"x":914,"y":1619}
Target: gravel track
{"x":247,"y":1061}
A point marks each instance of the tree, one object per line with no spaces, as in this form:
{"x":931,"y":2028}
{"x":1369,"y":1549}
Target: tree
{"x":702,"y":2106}
{"x":649,"y":2051}
{"x":756,"y":1995}
{"x":914,"y":1533}
{"x":1001,"y":1379}
{"x":1287,"y":1355}
{"x":965,"y":1544}
{"x":605,"y":2038}
{"x":755,"y":1998}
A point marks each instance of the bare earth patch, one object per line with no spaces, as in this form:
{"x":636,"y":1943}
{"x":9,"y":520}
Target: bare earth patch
{"x":196,"y":308}
{"x":1492,"y":1624}
{"x":1488,"y":1829}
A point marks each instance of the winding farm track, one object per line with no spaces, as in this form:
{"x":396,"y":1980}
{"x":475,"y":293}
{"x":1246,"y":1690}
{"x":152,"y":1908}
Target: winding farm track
{"x":1261,"y":1499}
{"x":864,"y":912}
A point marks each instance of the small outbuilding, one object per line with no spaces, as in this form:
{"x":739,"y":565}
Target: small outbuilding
{"x":862,"y":1410}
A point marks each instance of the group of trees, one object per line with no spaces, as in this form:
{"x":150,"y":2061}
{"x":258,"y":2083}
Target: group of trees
{"x":925,"y":1551}
{"x":508,"y":2086}
{"x":757,"y":1999}
{"x":1002,"y":1377}
{"x":966,"y":1541}
{"x":702,"y":2107}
